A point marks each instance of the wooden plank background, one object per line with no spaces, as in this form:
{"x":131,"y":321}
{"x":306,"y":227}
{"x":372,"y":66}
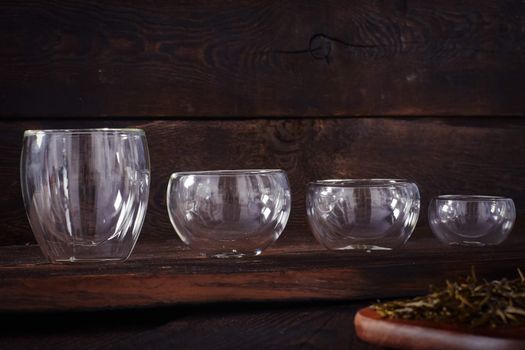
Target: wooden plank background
{"x":443,"y":155}
{"x":263,"y":58}
{"x":321,"y":89}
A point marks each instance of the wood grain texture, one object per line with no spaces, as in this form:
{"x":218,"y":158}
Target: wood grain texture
{"x":328,"y":327}
{"x":165,"y":274}
{"x":215,"y":326}
{"x":261,"y":58}
{"x":449,"y":155}
{"x":427,"y":335}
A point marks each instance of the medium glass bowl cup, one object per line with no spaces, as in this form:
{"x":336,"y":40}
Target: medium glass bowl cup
{"x":471,"y":219}
{"x":229,"y":213}
{"x":371,"y":214}
{"x":85,"y":191}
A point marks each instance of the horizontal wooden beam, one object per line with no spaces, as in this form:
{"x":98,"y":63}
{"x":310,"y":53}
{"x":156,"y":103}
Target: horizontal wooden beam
{"x":261,"y":58}
{"x":163,"y":273}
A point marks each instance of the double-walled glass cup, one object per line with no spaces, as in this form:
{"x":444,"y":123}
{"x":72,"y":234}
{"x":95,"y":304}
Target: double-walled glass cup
{"x":85,"y":191}
{"x":229,"y":213}
{"x":471,"y":219}
{"x":371,"y":214}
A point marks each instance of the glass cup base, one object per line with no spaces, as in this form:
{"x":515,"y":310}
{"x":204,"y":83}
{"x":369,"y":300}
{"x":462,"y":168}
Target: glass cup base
{"x":232,"y":254}
{"x":362,"y":247}
{"x":59,"y":252}
{"x":73,"y":260}
{"x":470,"y":244}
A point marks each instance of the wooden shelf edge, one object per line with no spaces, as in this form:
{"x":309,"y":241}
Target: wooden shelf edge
{"x":157,"y":275}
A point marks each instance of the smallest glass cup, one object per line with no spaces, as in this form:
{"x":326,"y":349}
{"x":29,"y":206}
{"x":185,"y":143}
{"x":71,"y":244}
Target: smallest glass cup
{"x":471,"y":219}
{"x":370,"y":214}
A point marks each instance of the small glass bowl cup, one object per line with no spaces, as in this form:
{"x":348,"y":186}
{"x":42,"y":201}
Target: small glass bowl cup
{"x":471,"y":219}
{"x":370,"y":214}
{"x":229,"y":213}
{"x":85,"y":191}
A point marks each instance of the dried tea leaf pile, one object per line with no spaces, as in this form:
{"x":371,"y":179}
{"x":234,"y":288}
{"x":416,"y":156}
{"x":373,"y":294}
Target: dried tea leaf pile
{"x":499,"y":303}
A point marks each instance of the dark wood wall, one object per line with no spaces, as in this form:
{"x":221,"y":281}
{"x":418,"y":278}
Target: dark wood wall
{"x":443,"y":155}
{"x":261,"y":58}
{"x":427,"y":90}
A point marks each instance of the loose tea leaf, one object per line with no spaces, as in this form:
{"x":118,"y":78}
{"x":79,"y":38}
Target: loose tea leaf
{"x":499,"y":303}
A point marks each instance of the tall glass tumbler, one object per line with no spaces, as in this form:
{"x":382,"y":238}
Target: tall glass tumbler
{"x":85,"y":191}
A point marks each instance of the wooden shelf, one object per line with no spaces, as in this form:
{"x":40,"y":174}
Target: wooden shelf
{"x":167,"y":273}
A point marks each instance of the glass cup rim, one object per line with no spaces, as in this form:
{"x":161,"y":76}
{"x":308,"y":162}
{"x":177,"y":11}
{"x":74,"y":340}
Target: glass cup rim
{"x":470,"y":198}
{"x":32,"y":132}
{"x":232,"y":172}
{"x":360,"y":183}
